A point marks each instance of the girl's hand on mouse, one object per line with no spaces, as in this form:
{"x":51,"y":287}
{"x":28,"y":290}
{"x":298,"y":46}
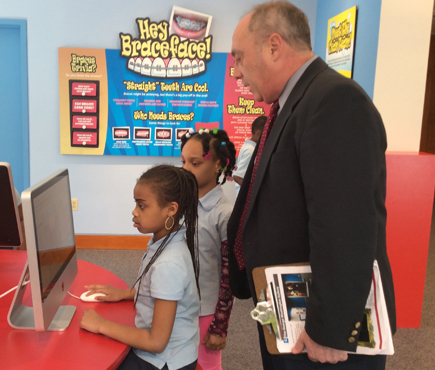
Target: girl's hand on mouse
{"x":112,"y":294}
{"x":214,"y":343}
{"x":91,"y":321}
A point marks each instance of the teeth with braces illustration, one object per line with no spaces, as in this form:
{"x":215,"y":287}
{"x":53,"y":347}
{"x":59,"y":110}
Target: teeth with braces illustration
{"x":190,"y":24}
{"x":157,"y":68}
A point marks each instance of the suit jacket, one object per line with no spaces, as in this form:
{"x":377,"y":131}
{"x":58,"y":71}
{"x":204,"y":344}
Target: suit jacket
{"x":319,"y":196}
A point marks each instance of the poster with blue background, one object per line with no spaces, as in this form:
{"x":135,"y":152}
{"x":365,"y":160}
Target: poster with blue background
{"x":148,"y":116}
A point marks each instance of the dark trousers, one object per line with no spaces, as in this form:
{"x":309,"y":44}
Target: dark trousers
{"x":133,"y":362}
{"x":302,"y":362}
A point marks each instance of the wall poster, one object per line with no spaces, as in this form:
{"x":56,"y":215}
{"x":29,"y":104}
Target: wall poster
{"x":340,"y":42}
{"x":141,"y":99}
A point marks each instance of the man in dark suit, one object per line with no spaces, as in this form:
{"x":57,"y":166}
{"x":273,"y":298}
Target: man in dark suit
{"x":314,"y":191}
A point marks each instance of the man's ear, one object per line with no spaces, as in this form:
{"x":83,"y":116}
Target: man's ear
{"x":275,"y":44}
{"x":172,"y":208}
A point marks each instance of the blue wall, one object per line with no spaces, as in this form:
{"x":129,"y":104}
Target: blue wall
{"x":367,"y":32}
{"x":14,"y":121}
{"x":103,"y":184}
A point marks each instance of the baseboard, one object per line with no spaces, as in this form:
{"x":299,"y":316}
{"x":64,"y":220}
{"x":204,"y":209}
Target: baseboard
{"x":112,"y":241}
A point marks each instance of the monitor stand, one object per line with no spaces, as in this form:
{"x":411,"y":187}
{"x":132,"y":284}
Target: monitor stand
{"x":22,"y":317}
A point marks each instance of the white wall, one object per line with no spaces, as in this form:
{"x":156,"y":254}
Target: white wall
{"x":401,"y":70}
{"x":102,"y":184}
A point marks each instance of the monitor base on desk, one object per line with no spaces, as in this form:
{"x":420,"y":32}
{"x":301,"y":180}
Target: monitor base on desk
{"x":23,"y":317}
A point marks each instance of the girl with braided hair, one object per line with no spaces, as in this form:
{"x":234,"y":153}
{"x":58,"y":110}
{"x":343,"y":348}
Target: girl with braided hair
{"x":166,"y":293}
{"x":211,"y":156}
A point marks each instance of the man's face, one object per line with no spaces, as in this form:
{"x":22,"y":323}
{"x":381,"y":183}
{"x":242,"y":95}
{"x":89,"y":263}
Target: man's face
{"x":249,"y":62}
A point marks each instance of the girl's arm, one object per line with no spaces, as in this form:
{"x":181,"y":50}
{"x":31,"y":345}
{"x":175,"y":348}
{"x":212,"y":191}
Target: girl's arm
{"x":112,"y":294}
{"x":154,"y":340}
{"x":219,"y":326}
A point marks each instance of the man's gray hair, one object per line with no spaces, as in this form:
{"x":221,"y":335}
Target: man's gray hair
{"x":283,"y":18}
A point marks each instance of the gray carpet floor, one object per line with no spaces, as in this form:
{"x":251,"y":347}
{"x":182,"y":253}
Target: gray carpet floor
{"x":415,"y":348}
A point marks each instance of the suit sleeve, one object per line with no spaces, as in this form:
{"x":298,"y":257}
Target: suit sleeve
{"x":341,"y":151}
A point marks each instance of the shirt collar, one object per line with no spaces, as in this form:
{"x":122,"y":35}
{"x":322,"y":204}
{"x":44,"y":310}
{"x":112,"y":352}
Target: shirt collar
{"x":209,"y":200}
{"x":175,"y":237}
{"x":291,"y":83}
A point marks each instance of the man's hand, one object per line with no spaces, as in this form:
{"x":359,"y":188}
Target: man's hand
{"x":316,"y":352}
{"x":214,"y":343}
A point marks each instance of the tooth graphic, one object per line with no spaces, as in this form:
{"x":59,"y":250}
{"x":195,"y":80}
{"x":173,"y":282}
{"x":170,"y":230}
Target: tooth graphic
{"x":131,"y":64}
{"x":186,"y":67}
{"x":195,"y":67}
{"x":201,"y":66}
{"x":146,"y":67}
{"x":158,"y":68}
{"x":138,"y":65}
{"x":174,"y":68}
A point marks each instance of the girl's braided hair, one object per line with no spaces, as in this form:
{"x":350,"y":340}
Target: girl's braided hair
{"x":175,"y":184}
{"x":219,"y":145}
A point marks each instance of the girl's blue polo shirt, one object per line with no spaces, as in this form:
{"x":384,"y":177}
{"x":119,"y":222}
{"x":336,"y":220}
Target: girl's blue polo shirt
{"x":214,"y":211}
{"x":171,"y":277}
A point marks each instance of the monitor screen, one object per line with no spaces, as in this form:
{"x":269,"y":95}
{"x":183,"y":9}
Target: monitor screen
{"x":52,"y":261}
{"x":53,"y":226}
{"x":10,"y":228}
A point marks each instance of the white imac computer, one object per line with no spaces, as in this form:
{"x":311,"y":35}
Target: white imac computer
{"x":10,"y":227}
{"x":51,"y":256}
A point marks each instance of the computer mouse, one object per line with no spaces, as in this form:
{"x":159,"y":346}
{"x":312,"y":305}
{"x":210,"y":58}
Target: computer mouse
{"x":92,"y":297}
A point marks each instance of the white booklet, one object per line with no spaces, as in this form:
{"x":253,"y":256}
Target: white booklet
{"x":290,"y":287}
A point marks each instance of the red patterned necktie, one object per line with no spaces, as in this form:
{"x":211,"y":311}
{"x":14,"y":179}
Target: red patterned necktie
{"x":238,"y":247}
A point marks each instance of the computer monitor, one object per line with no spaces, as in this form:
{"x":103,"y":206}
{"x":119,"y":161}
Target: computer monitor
{"x":10,"y":227}
{"x":51,"y":256}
